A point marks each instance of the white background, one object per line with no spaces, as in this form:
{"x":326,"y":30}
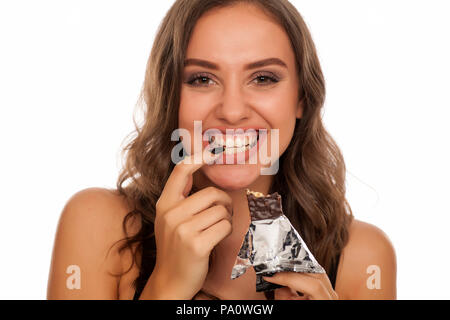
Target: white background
{"x":71,"y":72}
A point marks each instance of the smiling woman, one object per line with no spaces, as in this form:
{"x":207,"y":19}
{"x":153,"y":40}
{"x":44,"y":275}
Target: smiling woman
{"x":233,"y":65}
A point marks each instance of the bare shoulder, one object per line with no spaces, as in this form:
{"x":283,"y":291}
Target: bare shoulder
{"x":368,"y":238}
{"x":89,"y":226}
{"x":99,"y":211}
{"x":367,"y":269}
{"x":96,"y":204}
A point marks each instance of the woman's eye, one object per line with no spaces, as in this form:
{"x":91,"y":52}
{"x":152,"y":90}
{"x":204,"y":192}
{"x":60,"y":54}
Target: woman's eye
{"x":266,"y":79}
{"x":199,"y":81}
{"x":204,"y":81}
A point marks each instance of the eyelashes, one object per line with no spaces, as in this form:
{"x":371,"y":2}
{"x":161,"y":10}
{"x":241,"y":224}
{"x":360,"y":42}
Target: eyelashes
{"x":202,"y":79}
{"x":198,"y":76}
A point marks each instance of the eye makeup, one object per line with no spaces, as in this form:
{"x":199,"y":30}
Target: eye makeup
{"x":266,"y":75}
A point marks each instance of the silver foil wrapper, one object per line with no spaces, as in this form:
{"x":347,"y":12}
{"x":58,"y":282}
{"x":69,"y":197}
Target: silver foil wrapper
{"x":271,"y":243}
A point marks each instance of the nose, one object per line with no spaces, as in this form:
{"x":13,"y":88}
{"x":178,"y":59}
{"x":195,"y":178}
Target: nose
{"x":233,"y":107}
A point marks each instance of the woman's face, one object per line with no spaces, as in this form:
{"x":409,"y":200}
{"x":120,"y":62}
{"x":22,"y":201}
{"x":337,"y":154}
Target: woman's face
{"x":226,"y":93}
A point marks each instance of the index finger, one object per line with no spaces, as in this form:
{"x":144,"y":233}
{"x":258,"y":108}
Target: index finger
{"x":179,"y":178}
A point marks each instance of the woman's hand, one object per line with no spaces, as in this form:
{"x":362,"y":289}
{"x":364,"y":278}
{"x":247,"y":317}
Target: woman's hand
{"x":314,"y":286}
{"x":186,"y":231}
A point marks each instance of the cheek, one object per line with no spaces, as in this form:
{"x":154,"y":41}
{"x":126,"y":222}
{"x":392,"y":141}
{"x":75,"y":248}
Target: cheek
{"x":192,"y":108}
{"x":279,"y":110}
{"x":285,"y":128}
{"x":286,"y":134}
{"x":195,"y":105}
{"x":185,"y":111}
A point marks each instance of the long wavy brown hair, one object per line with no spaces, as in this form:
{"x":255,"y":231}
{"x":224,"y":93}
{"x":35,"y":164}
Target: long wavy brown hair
{"x":311,"y":178}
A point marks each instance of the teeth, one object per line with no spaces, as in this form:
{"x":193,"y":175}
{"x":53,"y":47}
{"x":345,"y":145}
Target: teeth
{"x":239,"y":142}
{"x":234,"y":141}
{"x":230,"y":142}
{"x":236,"y":150}
{"x":251,"y":140}
{"x":219,"y":140}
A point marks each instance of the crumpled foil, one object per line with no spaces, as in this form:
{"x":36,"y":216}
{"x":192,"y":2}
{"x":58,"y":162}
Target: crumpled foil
{"x":271,"y":243}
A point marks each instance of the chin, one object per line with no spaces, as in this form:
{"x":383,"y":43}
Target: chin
{"x":232,"y":177}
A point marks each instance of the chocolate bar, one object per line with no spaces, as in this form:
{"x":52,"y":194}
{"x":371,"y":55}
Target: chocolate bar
{"x":264,"y":207}
{"x":271,"y":243}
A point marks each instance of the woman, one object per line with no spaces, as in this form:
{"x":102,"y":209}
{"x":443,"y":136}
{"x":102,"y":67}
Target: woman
{"x":230,"y":65}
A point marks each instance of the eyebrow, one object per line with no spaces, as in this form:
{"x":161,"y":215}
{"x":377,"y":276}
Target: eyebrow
{"x":253,"y":65}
